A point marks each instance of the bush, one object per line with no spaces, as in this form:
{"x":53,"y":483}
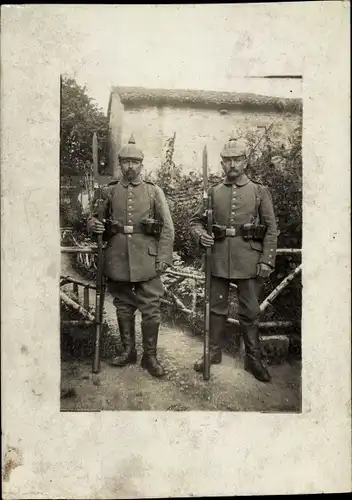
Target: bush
{"x":80,"y":118}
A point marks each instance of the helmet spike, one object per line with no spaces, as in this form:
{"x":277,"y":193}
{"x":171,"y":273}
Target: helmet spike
{"x":131,"y":150}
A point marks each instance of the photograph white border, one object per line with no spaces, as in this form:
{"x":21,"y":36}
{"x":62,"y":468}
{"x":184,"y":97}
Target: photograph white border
{"x":48,"y":454}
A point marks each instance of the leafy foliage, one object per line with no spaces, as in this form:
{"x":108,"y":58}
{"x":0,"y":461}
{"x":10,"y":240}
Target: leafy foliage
{"x":80,"y":118}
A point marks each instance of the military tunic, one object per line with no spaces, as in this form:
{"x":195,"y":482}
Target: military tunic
{"x":132,"y":257}
{"x":240,"y":203}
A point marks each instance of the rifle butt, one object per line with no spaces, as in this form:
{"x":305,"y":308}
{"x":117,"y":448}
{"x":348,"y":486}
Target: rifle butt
{"x":206,"y":370}
{"x":96,"y":358}
{"x":206,"y":366}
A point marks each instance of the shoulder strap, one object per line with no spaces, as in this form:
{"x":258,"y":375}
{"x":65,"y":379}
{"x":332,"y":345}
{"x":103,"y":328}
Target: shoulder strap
{"x":111,"y":183}
{"x":211,"y":189}
{"x":109,"y":190}
{"x":149,"y":182}
{"x":257,"y":200}
{"x":151,"y":194}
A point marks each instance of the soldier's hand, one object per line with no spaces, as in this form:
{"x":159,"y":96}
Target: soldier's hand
{"x":161,"y":266}
{"x":96,"y":226}
{"x":206,"y":240}
{"x":263,"y":270}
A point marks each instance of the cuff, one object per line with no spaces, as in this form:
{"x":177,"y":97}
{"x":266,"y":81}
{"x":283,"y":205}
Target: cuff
{"x":267,"y":263}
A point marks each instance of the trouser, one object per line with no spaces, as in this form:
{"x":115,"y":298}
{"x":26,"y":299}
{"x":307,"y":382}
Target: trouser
{"x":145,"y":296}
{"x":248,"y":292}
{"x":142,"y":295}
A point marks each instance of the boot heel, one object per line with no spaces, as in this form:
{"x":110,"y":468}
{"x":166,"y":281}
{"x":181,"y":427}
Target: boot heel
{"x":149,"y":361}
{"x":127,"y":335}
{"x":258,"y":370}
{"x":153,"y":367}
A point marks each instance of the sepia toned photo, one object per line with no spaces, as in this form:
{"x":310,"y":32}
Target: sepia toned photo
{"x":181,"y":234}
{"x":175,"y":250}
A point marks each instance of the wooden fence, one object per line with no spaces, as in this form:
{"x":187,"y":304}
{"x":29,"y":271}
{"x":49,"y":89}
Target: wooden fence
{"x":171,"y":298}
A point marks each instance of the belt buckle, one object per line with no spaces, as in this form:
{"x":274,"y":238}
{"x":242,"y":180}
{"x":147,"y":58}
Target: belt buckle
{"x":128,"y":229}
{"x":230,"y":231}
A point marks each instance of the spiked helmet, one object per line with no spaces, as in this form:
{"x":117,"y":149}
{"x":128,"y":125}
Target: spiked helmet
{"x":131,"y":151}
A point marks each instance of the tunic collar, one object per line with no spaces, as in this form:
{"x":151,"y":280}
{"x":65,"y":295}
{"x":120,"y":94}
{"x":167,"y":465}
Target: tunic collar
{"x":135,"y":182}
{"x":242,"y":181}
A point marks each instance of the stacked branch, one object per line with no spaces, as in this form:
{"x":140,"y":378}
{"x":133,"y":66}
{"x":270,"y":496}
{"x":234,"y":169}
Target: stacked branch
{"x":76,"y":307}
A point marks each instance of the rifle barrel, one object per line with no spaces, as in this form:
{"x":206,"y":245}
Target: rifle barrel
{"x":209,"y":223}
{"x":99,"y":296}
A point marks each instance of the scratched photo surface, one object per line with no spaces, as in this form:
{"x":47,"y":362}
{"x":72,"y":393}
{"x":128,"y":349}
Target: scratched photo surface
{"x":88,"y":93}
{"x":100,"y":358}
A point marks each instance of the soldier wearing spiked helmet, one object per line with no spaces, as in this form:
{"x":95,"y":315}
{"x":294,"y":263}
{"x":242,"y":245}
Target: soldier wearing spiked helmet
{"x":243,"y":245}
{"x":140,"y":235}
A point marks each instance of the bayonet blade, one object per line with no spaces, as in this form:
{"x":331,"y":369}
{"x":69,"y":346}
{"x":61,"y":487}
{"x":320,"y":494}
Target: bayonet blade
{"x":95,"y":157}
{"x":205,"y":170}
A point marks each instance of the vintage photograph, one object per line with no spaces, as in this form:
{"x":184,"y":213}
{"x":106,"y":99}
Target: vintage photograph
{"x":175,"y":250}
{"x":181,"y":237}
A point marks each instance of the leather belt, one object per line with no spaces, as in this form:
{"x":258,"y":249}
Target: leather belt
{"x":234,"y":230}
{"x":115,"y":229}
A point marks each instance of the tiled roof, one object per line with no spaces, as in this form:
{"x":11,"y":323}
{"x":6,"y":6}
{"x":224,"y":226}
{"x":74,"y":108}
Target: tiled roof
{"x":140,"y":96}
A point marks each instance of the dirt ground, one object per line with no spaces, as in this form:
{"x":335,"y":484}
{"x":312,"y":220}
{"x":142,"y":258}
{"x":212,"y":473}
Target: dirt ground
{"x":182,"y":389}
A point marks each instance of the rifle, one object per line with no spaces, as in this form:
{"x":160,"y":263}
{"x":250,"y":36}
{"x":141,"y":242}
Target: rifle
{"x":100,"y":286}
{"x":209,"y":223}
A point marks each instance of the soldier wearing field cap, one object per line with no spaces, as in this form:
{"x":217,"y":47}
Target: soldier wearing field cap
{"x":139,"y":232}
{"x":244,"y":246}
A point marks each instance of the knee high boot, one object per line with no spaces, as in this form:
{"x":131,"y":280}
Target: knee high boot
{"x":127,"y":335}
{"x":150,"y":332}
{"x":217,"y":325}
{"x":253,"y":358}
